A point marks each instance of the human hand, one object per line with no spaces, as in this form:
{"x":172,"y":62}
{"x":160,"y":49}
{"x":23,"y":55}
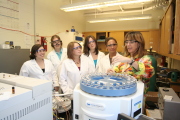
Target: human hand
{"x":120,"y":58}
{"x":110,"y":70}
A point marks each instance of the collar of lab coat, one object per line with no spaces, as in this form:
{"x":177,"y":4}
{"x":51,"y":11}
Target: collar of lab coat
{"x":64,"y":52}
{"x":37,"y":66}
{"x":107,"y":56}
{"x":82,"y":62}
{"x":99,"y":56}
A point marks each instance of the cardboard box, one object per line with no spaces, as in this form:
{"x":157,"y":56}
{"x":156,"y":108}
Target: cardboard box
{"x":155,"y":114}
{"x":152,"y":96}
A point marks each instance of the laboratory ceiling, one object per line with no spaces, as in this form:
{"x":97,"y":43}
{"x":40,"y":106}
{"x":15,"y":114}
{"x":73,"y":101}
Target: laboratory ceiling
{"x":155,"y":8}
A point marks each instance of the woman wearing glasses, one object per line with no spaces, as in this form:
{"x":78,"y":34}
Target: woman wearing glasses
{"x":135,"y":62}
{"x":38,"y":67}
{"x":73,"y":68}
{"x":105,"y":62}
{"x":92,"y":53}
{"x":57,"y":55}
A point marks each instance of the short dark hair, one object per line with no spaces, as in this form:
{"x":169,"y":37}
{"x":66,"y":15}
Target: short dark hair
{"x":34,"y":50}
{"x":70,"y":49}
{"x":109,"y":38}
{"x":86,"y":43}
{"x":52,"y":38}
{"x":136,"y":35}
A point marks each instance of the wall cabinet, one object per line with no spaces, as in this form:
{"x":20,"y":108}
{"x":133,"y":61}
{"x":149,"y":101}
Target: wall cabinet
{"x":89,"y":33}
{"x":154,"y":39}
{"x":177,"y":29}
{"x":119,"y":36}
{"x":170,"y":31}
{"x":162,"y":42}
{"x":151,"y":38}
{"x":146,"y":38}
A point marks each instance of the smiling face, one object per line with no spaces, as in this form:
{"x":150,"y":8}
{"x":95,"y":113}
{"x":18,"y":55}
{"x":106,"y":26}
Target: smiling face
{"x":111,"y":46}
{"x":132,"y":46}
{"x":57,"y":43}
{"x":91,"y":44}
{"x":40,"y":53}
{"x":77,"y":50}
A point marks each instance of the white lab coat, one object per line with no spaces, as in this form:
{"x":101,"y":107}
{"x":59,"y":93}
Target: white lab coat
{"x":105,"y":64}
{"x":31,"y":69}
{"x":90,"y":58}
{"x":52,"y":56}
{"x":70,"y":74}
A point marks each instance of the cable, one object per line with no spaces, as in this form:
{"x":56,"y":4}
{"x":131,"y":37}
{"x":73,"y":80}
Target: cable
{"x":25,"y":32}
{"x":67,"y":112}
{"x":59,"y":118}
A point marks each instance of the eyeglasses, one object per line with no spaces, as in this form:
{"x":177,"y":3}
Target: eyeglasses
{"x":91,"y":42}
{"x":110,"y":45}
{"x":75,"y":48}
{"x":56,"y":41}
{"x":41,"y":50}
{"x":130,"y":42}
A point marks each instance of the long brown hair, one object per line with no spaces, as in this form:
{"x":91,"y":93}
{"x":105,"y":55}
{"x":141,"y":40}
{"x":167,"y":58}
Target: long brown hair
{"x":86,"y":43}
{"x":135,"y":35}
{"x":70,"y":49}
{"x":34,"y":50}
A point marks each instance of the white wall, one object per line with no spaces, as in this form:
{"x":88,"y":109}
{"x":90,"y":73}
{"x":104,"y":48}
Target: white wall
{"x":49,"y":20}
{"x":24,"y":16}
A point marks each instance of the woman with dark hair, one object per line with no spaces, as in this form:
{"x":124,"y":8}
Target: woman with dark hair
{"x":105,"y":62}
{"x":58,"y":54}
{"x":38,"y":67}
{"x":135,"y":62}
{"x":91,"y":52}
{"x":73,"y":68}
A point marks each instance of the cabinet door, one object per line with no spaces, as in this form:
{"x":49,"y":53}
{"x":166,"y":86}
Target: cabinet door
{"x":119,"y":36}
{"x":154,"y":40}
{"x":146,"y":38}
{"x":177,"y":29}
{"x":162,"y":42}
{"x":89,"y":33}
{"x":168,"y":31}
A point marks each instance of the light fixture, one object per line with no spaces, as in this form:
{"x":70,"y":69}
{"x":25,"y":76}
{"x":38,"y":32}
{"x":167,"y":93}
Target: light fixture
{"x":98,"y":3}
{"x":122,"y":18}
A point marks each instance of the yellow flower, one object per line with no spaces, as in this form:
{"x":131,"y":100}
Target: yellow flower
{"x":116,"y":69}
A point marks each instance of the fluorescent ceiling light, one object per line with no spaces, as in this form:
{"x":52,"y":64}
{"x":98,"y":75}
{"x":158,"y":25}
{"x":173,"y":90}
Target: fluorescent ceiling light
{"x":121,"y":18}
{"x":98,"y":3}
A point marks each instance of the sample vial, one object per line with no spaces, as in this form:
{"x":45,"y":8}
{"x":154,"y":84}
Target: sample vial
{"x":13,"y":90}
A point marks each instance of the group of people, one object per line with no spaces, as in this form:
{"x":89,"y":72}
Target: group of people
{"x":65,"y":66}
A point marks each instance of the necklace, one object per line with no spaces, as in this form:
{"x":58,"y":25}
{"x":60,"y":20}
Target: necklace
{"x":76,"y":62}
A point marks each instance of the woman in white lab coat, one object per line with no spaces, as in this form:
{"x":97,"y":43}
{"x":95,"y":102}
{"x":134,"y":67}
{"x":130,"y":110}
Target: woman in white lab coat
{"x":73,"y":68}
{"x":92,"y":53}
{"x":38,"y":67}
{"x":105,"y":62}
{"x":58,"y":54}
